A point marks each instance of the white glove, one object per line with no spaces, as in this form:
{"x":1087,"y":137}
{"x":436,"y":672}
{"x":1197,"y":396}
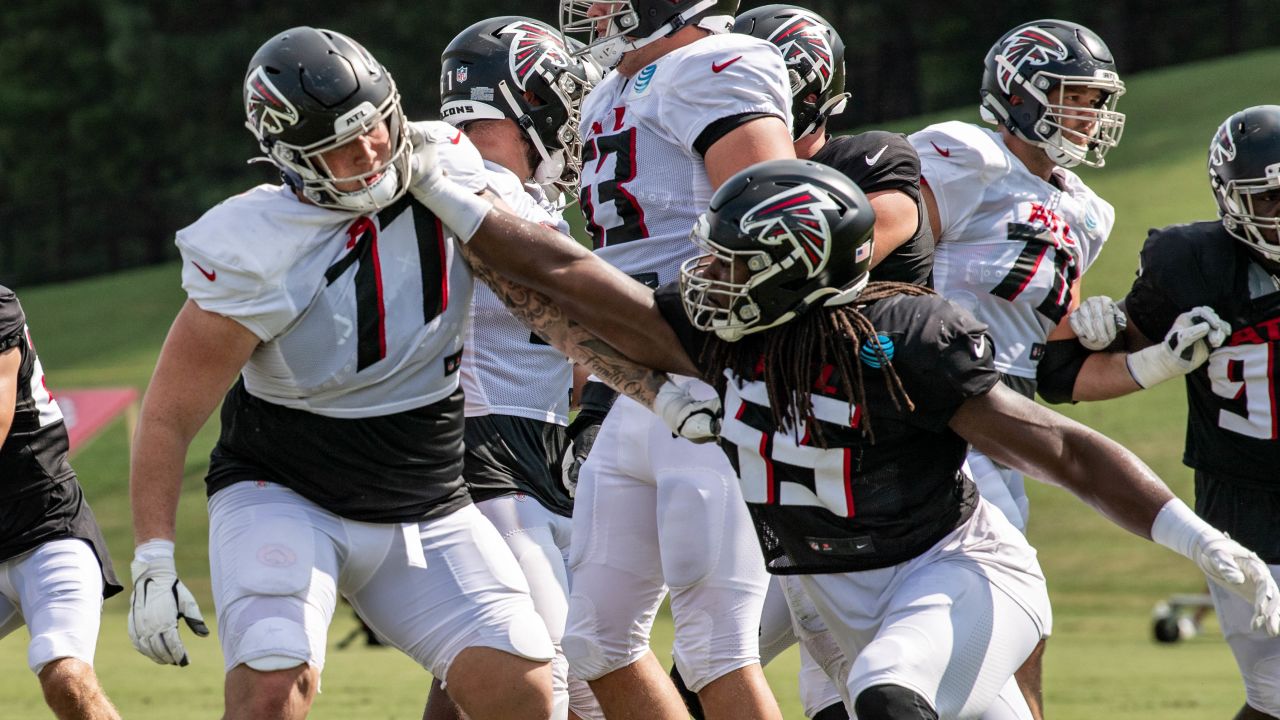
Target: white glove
{"x":1185,"y":347}
{"x":1097,"y":321}
{"x":696,"y":420}
{"x":1222,"y":559}
{"x":1241,"y":571}
{"x":460,"y":209}
{"x":159,"y":598}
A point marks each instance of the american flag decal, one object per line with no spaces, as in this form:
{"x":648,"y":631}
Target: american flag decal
{"x":797,"y":216}
{"x":533,"y":45}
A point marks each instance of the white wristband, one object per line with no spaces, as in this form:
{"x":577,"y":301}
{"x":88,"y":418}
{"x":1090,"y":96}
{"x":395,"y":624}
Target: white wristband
{"x":153,"y":549}
{"x":460,"y":209}
{"x":1178,"y":528}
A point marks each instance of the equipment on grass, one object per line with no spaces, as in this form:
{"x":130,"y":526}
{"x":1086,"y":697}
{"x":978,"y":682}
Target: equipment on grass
{"x":1178,"y":618}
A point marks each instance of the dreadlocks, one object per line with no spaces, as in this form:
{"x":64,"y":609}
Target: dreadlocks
{"x":786,"y":358}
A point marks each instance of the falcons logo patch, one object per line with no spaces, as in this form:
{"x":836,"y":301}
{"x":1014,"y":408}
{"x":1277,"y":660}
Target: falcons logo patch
{"x":796,"y":216}
{"x":1029,"y":46}
{"x":531,"y":46}
{"x":268,"y":110}
{"x":1224,"y":146}
{"x":804,"y":38}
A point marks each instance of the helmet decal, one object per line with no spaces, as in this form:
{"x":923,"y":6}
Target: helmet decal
{"x":268,"y":109}
{"x":803,"y":37}
{"x":1029,"y":46}
{"x":1223,"y":148}
{"x":531,"y":46}
{"x":796,"y":216}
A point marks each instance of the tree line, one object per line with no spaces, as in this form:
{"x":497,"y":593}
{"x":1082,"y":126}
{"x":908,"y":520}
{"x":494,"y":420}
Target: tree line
{"x":121,"y":120}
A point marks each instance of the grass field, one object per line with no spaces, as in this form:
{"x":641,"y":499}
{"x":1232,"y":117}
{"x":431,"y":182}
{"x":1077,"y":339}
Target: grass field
{"x":1101,"y":662}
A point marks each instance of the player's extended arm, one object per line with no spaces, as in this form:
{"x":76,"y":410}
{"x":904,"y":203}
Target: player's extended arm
{"x":201,"y":357}
{"x":10,"y":363}
{"x":897,"y":219}
{"x":1017,"y":432}
{"x":764,"y":138}
{"x":692,"y":419}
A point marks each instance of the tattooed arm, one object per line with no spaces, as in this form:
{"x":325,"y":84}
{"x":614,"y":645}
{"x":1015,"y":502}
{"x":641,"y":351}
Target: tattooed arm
{"x":550,"y":323}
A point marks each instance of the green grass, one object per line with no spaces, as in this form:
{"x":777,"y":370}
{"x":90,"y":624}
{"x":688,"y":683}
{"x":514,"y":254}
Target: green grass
{"x":1101,"y":662}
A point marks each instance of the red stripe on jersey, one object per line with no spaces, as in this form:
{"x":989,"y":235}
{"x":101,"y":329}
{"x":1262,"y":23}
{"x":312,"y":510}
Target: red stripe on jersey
{"x":644,"y":230}
{"x":771,"y":497}
{"x":382,"y":310}
{"x":1034,"y":268}
{"x":848,"y":482}
{"x":444,"y":266}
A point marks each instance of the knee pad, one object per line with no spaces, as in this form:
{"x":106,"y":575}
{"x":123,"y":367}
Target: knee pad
{"x":591,"y":654}
{"x":272,"y":643}
{"x":892,"y":702}
{"x":1262,"y":686}
{"x":691,"y":513}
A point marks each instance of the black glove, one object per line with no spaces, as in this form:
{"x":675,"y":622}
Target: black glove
{"x":597,"y":398}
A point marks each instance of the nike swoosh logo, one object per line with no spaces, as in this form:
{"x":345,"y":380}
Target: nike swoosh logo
{"x":457,"y":138}
{"x":715,"y":68}
{"x":943,"y":153}
{"x":210,"y":276}
{"x":872,"y":159}
{"x":980,"y":347}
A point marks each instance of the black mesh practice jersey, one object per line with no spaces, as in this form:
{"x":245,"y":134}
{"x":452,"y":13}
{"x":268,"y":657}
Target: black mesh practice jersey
{"x":507,"y":454}
{"x":1232,"y":428}
{"x":40,"y":499}
{"x":402,"y":467}
{"x":878,"y":161}
{"x":856,"y":504}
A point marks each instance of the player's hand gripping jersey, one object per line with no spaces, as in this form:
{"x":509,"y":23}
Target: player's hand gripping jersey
{"x":644,"y":138}
{"x":855,"y":505}
{"x":1232,"y":425}
{"x":360,"y":317}
{"x":1010,"y":244}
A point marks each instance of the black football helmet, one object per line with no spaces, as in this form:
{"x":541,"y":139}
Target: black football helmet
{"x":1040,"y":63}
{"x":815,"y":60}
{"x":787,"y":235}
{"x":620,"y":26}
{"x":309,"y":91}
{"x":1244,"y":170}
{"x":487,"y":71}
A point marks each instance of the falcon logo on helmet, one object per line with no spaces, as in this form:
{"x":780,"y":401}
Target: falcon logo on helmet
{"x":1030,"y":46}
{"x":805,"y":38}
{"x":531,"y":46}
{"x":271,"y":112}
{"x":796,"y":216}
{"x":1224,"y":146}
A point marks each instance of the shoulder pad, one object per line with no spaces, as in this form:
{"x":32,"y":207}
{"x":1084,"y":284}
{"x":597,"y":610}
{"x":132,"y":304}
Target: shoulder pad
{"x":455,"y":153}
{"x":961,"y":147}
{"x":12,"y":319}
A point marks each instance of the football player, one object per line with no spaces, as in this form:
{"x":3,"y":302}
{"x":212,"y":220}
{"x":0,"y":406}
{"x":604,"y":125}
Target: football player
{"x":334,"y":306}
{"x":511,"y":85}
{"x":54,"y":567}
{"x":886,"y":168}
{"x":1016,"y":228}
{"x":1211,"y":290}
{"x":685,"y":105}
{"x":849,"y":409}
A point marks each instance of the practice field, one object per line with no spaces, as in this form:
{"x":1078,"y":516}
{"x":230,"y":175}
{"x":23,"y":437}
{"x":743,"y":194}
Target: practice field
{"x":1101,"y":662}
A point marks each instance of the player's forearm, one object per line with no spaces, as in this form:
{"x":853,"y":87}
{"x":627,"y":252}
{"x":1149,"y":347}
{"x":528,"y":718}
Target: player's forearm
{"x":577,"y":343}
{"x":594,"y":294}
{"x":1103,"y":376}
{"x":155,"y":479}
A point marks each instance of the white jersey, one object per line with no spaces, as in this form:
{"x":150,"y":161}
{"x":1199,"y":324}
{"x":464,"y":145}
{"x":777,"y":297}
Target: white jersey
{"x":1011,"y":244}
{"x":359,"y":315}
{"x":506,"y":369}
{"x":643,"y":179}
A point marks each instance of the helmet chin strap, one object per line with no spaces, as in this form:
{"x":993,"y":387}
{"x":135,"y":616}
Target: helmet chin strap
{"x":551,"y":165}
{"x":612,"y":55}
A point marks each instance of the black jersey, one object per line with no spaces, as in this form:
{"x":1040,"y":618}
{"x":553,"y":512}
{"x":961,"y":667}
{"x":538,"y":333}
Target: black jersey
{"x":878,"y":161}
{"x":1232,"y":425}
{"x":402,"y":467}
{"x":40,"y":498}
{"x":508,"y":454}
{"x":856,"y":504}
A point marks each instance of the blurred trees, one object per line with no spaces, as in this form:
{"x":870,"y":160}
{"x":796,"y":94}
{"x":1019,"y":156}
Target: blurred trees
{"x":121,"y":120}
